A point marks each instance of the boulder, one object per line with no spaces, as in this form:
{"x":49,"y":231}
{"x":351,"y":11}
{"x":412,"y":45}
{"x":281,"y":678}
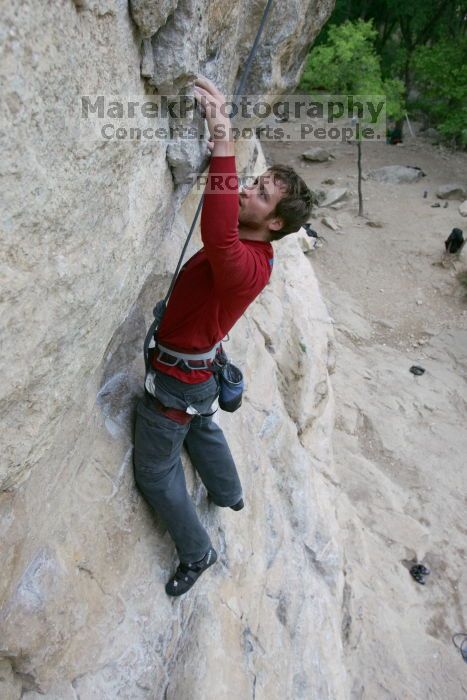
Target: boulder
{"x":396,"y":174}
{"x":317,"y":155}
{"x":452,"y":191}
{"x":432,"y":134}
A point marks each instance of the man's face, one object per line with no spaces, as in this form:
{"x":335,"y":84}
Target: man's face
{"x":258,"y":201}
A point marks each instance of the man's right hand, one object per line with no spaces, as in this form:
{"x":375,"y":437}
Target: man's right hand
{"x":220,"y":128}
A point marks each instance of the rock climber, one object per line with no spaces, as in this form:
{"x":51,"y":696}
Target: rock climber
{"x":212,"y":291}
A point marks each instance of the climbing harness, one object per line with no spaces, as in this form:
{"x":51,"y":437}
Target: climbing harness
{"x":170,"y":358}
{"x":150,"y":342}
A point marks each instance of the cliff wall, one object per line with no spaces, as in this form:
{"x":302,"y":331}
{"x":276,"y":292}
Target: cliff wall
{"x":91,"y":233}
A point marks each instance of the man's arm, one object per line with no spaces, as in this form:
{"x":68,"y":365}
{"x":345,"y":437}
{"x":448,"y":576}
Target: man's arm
{"x":212,"y":100}
{"x":233,"y":265}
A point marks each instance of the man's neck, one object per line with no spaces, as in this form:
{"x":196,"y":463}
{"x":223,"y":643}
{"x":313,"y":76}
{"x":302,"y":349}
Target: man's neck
{"x":248,"y":234}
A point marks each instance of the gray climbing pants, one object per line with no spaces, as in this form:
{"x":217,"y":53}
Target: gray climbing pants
{"x":158,"y":468}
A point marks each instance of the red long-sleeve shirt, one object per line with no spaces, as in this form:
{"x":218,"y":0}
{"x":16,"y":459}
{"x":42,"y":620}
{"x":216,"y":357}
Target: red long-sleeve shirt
{"x":220,"y":281}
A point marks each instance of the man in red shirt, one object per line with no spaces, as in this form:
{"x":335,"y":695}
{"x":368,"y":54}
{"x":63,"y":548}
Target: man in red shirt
{"x":212,"y":291}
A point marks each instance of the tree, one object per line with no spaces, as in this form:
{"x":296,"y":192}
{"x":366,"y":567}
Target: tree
{"x":347,"y":63}
{"x":418,"y":42}
{"x":440,"y":71}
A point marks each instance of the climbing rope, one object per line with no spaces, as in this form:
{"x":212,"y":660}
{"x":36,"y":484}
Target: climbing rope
{"x":161,"y":307}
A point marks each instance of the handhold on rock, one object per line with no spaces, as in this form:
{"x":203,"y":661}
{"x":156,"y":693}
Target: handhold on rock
{"x":417,"y":370}
{"x":463,"y":208}
{"x":151,"y":16}
{"x":436,"y":205}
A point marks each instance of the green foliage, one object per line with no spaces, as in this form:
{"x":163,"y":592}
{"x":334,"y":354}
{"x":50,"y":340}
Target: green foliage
{"x":418,"y":42}
{"x":394,"y":90}
{"x":441,"y":74}
{"x":347,"y":63}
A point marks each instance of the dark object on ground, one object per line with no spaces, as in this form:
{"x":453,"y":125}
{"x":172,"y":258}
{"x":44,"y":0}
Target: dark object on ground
{"x":461,"y":644}
{"x":418,"y":573}
{"x":425,"y":194}
{"x":187,"y":574}
{"x":455,"y":241}
{"x":309,"y":231}
{"x":239,"y":505}
{"x":436,"y":205}
{"x":417,"y":370}
{"x":446,"y":204}
{"x":394,"y":135}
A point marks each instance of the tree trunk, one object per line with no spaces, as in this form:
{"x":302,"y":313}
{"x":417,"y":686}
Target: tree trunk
{"x":359,"y":164}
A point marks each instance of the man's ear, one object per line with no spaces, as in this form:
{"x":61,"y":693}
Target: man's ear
{"x":275,"y":224}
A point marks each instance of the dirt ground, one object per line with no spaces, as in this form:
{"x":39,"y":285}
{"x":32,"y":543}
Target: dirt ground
{"x":400,"y":441}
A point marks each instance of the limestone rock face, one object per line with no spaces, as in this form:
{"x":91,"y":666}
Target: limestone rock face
{"x":151,"y":16}
{"x":91,"y":233}
{"x":215,"y":37}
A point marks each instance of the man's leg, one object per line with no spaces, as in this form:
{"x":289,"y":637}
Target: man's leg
{"x":212,"y":459}
{"x":160,"y":477}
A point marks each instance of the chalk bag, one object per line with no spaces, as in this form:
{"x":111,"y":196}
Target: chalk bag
{"x":231,"y":387}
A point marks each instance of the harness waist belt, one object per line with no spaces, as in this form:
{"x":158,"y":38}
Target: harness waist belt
{"x":209,"y":355}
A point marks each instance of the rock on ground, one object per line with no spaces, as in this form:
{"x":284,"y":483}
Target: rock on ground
{"x":453,"y":191}
{"x":316,"y":155}
{"x":334,"y":196}
{"x":396,"y":174}
{"x":330,"y":223}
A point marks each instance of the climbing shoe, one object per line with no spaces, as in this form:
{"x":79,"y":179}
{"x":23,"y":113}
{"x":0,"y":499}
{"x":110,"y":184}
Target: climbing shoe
{"x":238,"y":506}
{"x":187,"y":574}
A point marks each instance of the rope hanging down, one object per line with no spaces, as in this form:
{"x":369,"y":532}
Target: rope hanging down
{"x":161,"y":307}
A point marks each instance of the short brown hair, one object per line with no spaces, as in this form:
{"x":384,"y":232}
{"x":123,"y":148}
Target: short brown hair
{"x":294,"y":208}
